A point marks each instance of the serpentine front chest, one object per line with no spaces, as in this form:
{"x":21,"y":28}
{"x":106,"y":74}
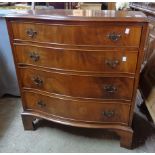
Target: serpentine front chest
{"x":79,"y":68}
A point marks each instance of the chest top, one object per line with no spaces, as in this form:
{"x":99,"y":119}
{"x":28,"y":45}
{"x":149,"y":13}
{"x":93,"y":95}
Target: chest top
{"x":81,"y":15}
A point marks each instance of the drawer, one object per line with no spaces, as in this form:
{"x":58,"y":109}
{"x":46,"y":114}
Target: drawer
{"x":84,"y":86}
{"x":78,"y":34}
{"x":78,"y":110}
{"x":115,"y":61}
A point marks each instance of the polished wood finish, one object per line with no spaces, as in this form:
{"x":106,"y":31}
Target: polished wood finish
{"x":79,"y":15}
{"x":57,"y":83}
{"x":28,"y":122}
{"x":99,"y":61}
{"x":77,"y":34}
{"x":79,"y":68}
{"x":125,"y":132}
{"x":79,"y":110}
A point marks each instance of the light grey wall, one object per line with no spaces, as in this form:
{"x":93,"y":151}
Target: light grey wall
{"x":8,"y":79}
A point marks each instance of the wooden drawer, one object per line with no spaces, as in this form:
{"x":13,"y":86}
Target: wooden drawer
{"x":78,"y":110}
{"x":78,"y":34}
{"x":84,"y":86}
{"x":110,"y":61}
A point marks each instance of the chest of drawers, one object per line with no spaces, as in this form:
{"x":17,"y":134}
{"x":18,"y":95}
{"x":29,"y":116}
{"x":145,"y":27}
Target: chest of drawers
{"x":79,"y":68}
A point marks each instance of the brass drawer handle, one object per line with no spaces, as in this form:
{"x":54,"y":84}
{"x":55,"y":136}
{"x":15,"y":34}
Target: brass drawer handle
{"x":34,"y":56}
{"x":112,"y":63}
{"x":41,"y":104}
{"x":114,"y":36}
{"x":110,"y":88}
{"x":31,"y":33}
{"x":37,"y":81}
{"x":108,"y":114}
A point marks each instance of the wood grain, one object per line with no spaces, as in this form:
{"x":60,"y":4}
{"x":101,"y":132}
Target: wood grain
{"x":77,"y":35}
{"x":86,"y":111}
{"x":77,"y":85}
{"x":78,"y":59}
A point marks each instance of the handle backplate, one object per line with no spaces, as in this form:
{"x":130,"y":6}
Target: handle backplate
{"x":31,"y":33}
{"x":41,"y":104}
{"x":34,"y":56}
{"x":108,"y":113}
{"x":37,"y":81}
{"x":114,"y":36}
{"x":110,"y":88}
{"x":112,"y":63}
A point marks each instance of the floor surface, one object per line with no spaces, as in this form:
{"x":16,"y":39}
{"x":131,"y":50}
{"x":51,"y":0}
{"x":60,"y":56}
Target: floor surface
{"x":51,"y":137}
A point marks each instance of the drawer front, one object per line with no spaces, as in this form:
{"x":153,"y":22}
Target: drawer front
{"x":78,"y":60}
{"x":78,"y":85}
{"x":78,"y":34}
{"x":78,"y":110}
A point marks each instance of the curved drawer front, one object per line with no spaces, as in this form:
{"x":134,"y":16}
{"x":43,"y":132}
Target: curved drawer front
{"x":78,"y":110}
{"x":78,"y":85}
{"x":78,"y":34}
{"x":78,"y":60}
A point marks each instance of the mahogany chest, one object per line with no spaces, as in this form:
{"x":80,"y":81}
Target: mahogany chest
{"x":79,"y":68}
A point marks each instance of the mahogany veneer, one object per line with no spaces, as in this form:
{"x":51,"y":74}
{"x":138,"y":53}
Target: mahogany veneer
{"x":79,"y":68}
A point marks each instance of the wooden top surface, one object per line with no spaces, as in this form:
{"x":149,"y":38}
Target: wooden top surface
{"x":80,"y":15}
